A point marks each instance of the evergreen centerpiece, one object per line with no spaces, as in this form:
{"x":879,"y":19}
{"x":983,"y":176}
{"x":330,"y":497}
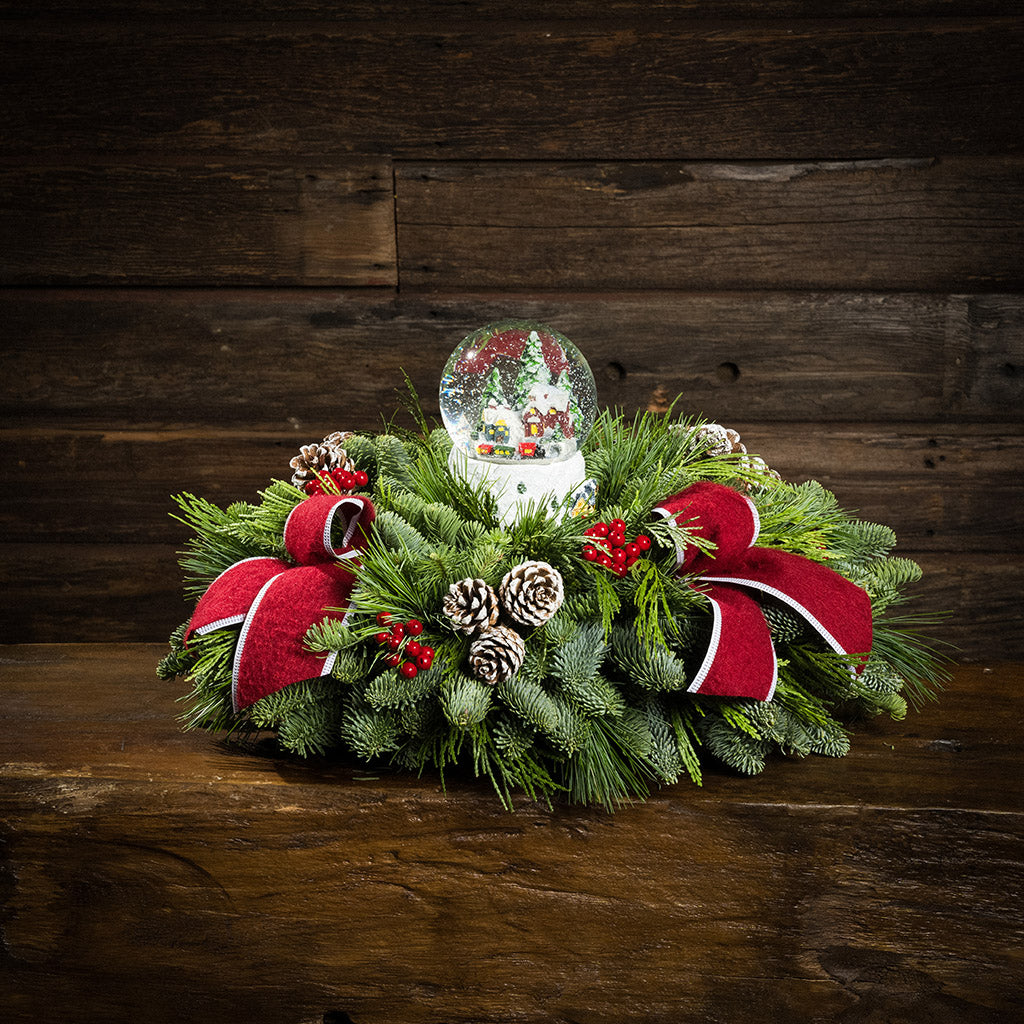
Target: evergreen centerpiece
{"x":665,"y":599}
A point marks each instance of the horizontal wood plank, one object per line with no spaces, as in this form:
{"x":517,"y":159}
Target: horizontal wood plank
{"x":957,"y":492}
{"x":626,"y":88}
{"x":131,"y":592}
{"x":247,"y":224}
{"x":448,"y":11}
{"x":301,"y":362}
{"x":883,"y":883}
{"x":887,"y":224}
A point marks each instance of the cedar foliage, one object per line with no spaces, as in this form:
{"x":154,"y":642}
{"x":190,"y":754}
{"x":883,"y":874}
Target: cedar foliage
{"x":600,"y":710}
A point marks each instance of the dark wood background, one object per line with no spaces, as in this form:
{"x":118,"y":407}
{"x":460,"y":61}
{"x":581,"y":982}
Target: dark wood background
{"x":226,"y":228}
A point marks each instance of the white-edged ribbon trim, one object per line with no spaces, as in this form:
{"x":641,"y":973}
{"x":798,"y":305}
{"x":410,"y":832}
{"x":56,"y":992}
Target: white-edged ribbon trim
{"x":794,"y":604}
{"x":243,"y":635}
{"x":709,"y":657}
{"x":712,"y":651}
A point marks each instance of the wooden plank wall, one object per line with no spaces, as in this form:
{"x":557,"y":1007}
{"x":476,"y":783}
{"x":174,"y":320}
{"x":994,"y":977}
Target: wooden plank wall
{"x":225,"y":228}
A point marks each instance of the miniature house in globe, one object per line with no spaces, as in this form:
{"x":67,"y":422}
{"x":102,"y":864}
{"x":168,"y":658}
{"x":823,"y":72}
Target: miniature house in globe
{"x":518,"y":400}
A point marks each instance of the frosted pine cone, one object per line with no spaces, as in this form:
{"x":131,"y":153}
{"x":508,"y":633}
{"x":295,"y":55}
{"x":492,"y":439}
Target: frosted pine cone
{"x":496,"y":654}
{"x":319,"y":458}
{"x":337,"y":439}
{"x":532,"y":592}
{"x":719,"y":440}
{"x":471,"y":605}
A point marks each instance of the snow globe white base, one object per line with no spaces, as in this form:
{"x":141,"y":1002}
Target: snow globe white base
{"x":516,"y":485}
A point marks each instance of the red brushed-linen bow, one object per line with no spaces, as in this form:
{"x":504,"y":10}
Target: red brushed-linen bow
{"x":277,"y":602}
{"x":740,"y":661}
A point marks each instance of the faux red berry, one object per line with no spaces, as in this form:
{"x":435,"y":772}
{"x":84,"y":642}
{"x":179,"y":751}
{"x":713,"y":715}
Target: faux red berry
{"x":617,"y":526}
{"x":393,"y":659}
{"x":426,"y":651}
{"x":412,"y":648}
{"x":619,"y":556}
{"x":408,"y":669}
{"x":631,"y":561}
{"x":381,"y":638}
{"x":617,"y":539}
{"x":398,"y":630}
{"x":383,"y":618}
{"x":423,"y":662}
{"x":311,"y":486}
{"x":600,"y":529}
{"x":633,"y":549}
{"x":413,"y":627}
{"x":590,"y":553}
{"x":620,"y":570}
{"x":361,"y":478}
{"x":605,"y":560}
{"x":393,"y":643}
{"x":643,"y":542}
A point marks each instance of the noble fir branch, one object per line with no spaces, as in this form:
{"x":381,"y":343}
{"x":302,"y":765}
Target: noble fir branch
{"x":651,"y":668}
{"x":465,"y":700}
{"x":663,"y":751}
{"x":394,"y":462}
{"x":737,"y":749}
{"x":368,"y":731}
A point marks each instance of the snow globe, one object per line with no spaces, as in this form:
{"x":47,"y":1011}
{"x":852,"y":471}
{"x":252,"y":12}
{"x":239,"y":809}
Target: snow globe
{"x":518,"y":400}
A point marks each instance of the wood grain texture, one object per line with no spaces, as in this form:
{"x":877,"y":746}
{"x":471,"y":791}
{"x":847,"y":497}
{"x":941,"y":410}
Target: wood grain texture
{"x":153,"y":874}
{"x":626,"y":88}
{"x":314,"y":360}
{"x":448,"y":11}
{"x":885,"y":224}
{"x":307,"y":224}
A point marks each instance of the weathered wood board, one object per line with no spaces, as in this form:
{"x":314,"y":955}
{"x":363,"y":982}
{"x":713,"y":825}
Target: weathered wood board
{"x":925,"y":224}
{"x":291,"y":224}
{"x":620,"y":86}
{"x":303,"y":360}
{"x":161,"y":876}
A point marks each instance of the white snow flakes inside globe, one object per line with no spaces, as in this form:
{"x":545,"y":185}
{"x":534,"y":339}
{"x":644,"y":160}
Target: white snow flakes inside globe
{"x":516,"y":391}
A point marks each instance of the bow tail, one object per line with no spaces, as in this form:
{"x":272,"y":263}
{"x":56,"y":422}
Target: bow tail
{"x":270,"y":654}
{"x":838,"y":610}
{"x":740,"y":660}
{"x":230,"y":595}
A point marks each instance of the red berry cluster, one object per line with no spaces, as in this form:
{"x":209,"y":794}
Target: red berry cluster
{"x":406,"y":653}
{"x":608,"y":546}
{"x":341,"y":478}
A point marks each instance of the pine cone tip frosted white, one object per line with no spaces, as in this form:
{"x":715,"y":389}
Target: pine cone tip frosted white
{"x":496,"y":654}
{"x":532,"y":592}
{"x":320,"y":458}
{"x":471,"y":605}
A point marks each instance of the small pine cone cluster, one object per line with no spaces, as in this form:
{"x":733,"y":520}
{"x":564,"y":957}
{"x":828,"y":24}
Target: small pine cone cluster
{"x":719,"y":440}
{"x":496,"y":654}
{"x":726,"y":441}
{"x":322,"y":458}
{"x":532,"y":592}
{"x":471,"y":605}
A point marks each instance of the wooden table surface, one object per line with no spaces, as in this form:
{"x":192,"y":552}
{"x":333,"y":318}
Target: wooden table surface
{"x":151,"y":875}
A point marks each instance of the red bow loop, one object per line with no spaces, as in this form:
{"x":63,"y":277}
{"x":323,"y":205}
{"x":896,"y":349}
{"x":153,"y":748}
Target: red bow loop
{"x":741,"y":661}
{"x":276,"y":603}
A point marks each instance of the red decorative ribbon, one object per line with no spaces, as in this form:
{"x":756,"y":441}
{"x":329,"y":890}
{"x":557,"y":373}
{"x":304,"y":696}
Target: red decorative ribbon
{"x":276,"y":602}
{"x":740,"y":661}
